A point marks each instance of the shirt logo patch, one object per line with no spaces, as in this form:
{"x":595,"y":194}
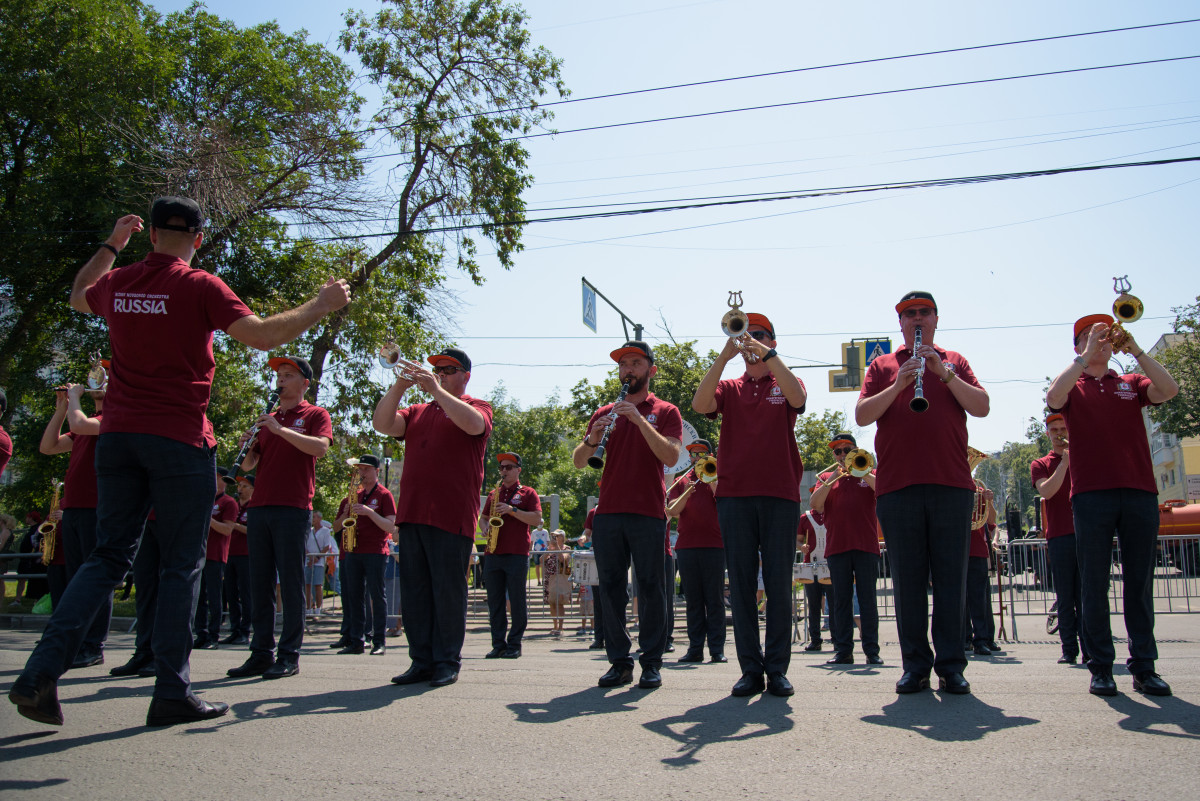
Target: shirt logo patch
{"x":776,"y":391}
{"x":298,"y":424}
{"x":1123,"y":385}
{"x":139,"y":303}
{"x":950,"y":366}
{"x":652,"y":418}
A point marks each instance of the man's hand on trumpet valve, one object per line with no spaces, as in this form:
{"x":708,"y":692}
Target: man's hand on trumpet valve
{"x":416,"y":374}
{"x":75,"y":391}
{"x":1097,"y":341}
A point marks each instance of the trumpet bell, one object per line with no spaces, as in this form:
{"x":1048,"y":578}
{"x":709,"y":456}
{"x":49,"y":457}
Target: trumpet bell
{"x":1127,"y":308}
{"x":859,"y":462}
{"x":97,"y":378}
{"x":389,"y":354}
{"x":734,"y":323}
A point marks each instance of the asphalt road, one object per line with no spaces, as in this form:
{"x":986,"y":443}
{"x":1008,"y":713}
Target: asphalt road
{"x":539,"y":728}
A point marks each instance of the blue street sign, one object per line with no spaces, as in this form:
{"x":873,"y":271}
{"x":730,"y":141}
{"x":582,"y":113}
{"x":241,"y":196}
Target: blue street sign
{"x":876,"y":347}
{"x":589,"y":307}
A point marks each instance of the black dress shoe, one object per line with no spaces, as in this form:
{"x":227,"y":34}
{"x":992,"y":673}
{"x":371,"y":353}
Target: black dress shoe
{"x":282,"y":669}
{"x":911,"y":683}
{"x":1150,"y":683}
{"x":147,"y":671}
{"x":841,"y":659}
{"x":1066,"y":659}
{"x":596,"y":645}
{"x":235,"y":639}
{"x":954,"y":683}
{"x":341,"y":642}
{"x":256,"y":665}
{"x":874,"y":659}
{"x":378,"y":650}
{"x":778,"y":684}
{"x":719,"y":659}
{"x":670,"y":649}
{"x":443,"y":677}
{"x":210,"y":645}
{"x":813,"y":646}
{"x":994,"y":647}
{"x":495,"y":653}
{"x":353,"y":648}
{"x":86,"y":660}
{"x":651,"y":679}
{"x":169,"y":711}
{"x":748,"y":684}
{"x":1102,"y":684}
{"x":511,"y":653}
{"x":134,"y":666}
{"x":413,"y":675}
{"x":616,"y":676}
{"x":691,"y":656}
{"x":37,"y":699}
{"x":199,"y":642}
{"x":982,"y":650}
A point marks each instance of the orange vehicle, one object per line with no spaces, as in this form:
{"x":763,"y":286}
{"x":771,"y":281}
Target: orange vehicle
{"x":1179,"y":535}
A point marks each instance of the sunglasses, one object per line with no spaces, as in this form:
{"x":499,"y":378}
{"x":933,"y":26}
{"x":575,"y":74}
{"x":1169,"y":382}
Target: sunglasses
{"x":759,"y":335}
{"x":447,"y":370}
{"x":838,"y":451}
{"x":508,"y":467}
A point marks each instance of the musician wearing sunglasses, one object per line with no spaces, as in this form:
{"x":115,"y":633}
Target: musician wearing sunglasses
{"x":1051,"y":476}
{"x":1113,"y":489}
{"x":924,"y":491}
{"x":279,"y":517}
{"x":641,"y":435}
{"x":852,"y":551}
{"x":700,"y":553}
{"x":445,"y":442}
{"x":506,"y":568}
{"x":363,"y":566}
{"x":758,"y":496}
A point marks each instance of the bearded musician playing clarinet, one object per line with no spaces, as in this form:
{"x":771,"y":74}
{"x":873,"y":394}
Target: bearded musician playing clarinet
{"x":924,"y":490}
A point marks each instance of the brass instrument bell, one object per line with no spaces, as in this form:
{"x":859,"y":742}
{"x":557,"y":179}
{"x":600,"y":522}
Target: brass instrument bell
{"x":974,"y":457}
{"x":97,"y":377}
{"x":735,"y":322}
{"x":859,"y":462}
{"x":706,"y":468}
{"x":1126,"y":308}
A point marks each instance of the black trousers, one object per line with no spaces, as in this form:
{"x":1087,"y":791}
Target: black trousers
{"x":208,"y":608}
{"x":504,"y":575}
{"x":979,"y":602}
{"x":1064,"y":565}
{"x":927,"y":528}
{"x":145,"y":583}
{"x":1133,"y":515}
{"x":433,"y":594}
{"x":854,"y":572}
{"x":364,"y":571}
{"x":276,"y":535}
{"x":702,"y":577}
{"x":814,"y":594}
{"x":619,"y":540}
{"x":237,"y":594}
{"x":78,"y":538}
{"x":760,"y":528}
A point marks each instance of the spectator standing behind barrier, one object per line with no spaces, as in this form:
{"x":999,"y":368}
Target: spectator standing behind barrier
{"x":156,"y":444}
{"x":320,"y":541}
{"x":1113,"y":489}
{"x":556,"y":588}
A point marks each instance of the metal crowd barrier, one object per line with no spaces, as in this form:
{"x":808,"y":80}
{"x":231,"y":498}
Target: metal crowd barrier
{"x":1176,"y":588}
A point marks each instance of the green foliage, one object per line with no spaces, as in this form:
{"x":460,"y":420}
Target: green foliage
{"x":1181,"y":415}
{"x":814,"y":433}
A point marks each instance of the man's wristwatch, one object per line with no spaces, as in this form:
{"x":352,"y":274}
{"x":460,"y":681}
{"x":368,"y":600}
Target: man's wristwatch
{"x":1081,"y":362}
{"x":771,"y":354}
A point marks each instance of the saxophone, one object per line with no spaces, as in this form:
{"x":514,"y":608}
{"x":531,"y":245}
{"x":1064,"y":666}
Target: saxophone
{"x":350,"y":527}
{"x":495,"y":521}
{"x":49,"y":529}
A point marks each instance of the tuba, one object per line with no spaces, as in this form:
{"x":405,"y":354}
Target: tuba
{"x":49,"y":529}
{"x":350,"y":527}
{"x":495,"y":521}
{"x":1126,"y":308}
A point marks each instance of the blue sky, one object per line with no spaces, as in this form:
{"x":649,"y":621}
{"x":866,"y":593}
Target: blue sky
{"x":1012,"y":264}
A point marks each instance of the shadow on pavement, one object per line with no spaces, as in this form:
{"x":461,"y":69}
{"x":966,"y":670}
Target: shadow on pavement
{"x":729,"y":720}
{"x":946,"y":718}
{"x":1146,"y":716}
{"x":592,"y":701}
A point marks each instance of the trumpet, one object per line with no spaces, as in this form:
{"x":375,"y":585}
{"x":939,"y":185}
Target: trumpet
{"x":705,"y":469}
{"x":230,"y":478}
{"x":735,"y":324}
{"x":389,"y":357}
{"x":49,"y":529}
{"x":350,"y":526}
{"x":918,"y":402}
{"x":97,"y":376}
{"x":596,"y":460}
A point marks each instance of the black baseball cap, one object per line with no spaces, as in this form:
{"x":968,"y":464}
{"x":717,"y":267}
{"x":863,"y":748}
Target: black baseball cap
{"x":451,"y":356}
{"x":368,"y":459}
{"x":635,"y":347}
{"x":165,"y":208}
{"x":295,"y":361}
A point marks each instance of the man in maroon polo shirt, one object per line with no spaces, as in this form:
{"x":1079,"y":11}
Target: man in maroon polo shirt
{"x":156,"y":446}
{"x":980,"y":624}
{"x":237,"y":569}
{"x":852,"y":551}
{"x":758,"y":496}
{"x":505,"y":569}
{"x":363,"y":566}
{"x":290,"y":440}
{"x":212,"y":581}
{"x":630,"y":521}
{"x":1113,"y":489}
{"x":1051,"y":476}
{"x":700,"y":553}
{"x":924,"y":490}
{"x":445,"y":443}
{"x":77,"y":529}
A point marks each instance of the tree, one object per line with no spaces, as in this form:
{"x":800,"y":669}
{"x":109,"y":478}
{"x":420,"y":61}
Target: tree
{"x":1006,"y":473}
{"x":1181,"y":415}
{"x":814,"y":432}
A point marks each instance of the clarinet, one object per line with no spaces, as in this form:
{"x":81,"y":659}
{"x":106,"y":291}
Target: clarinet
{"x":230,"y":478}
{"x":918,"y":402}
{"x":596,"y":460}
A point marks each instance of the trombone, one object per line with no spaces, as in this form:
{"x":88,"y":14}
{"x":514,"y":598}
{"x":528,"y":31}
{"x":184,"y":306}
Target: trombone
{"x":859,"y":462}
{"x":705,"y":470}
